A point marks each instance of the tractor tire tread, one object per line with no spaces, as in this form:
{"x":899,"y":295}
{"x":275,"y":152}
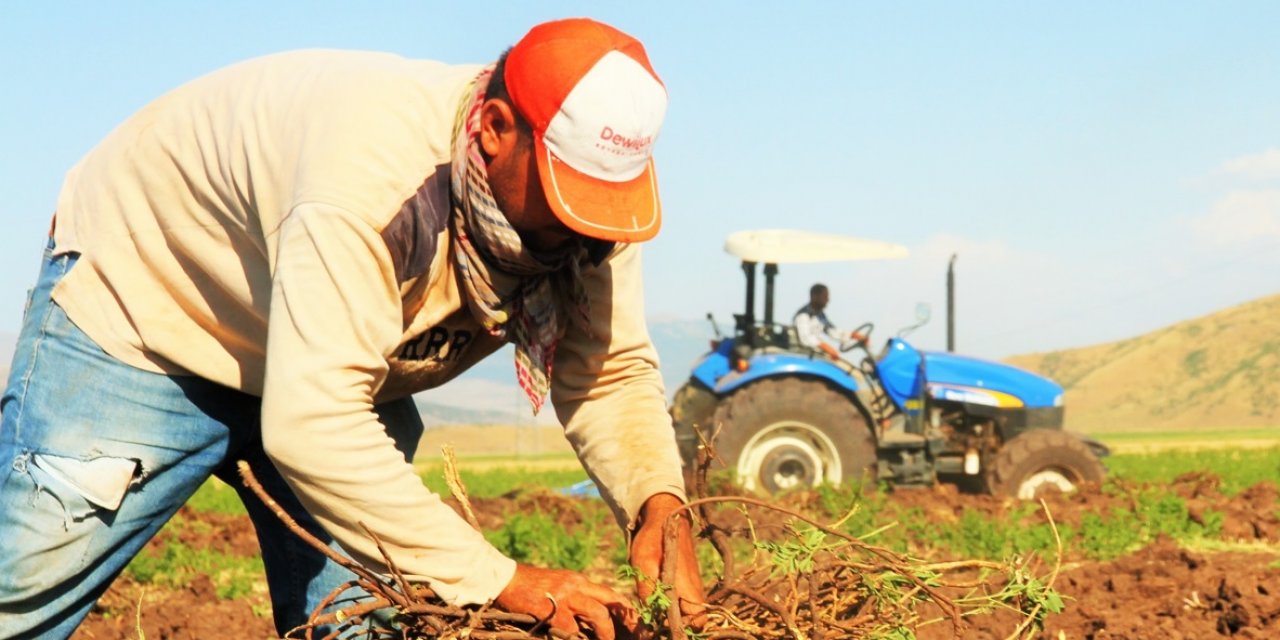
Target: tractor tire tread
{"x":1040,"y":448}
{"x":815,"y":402}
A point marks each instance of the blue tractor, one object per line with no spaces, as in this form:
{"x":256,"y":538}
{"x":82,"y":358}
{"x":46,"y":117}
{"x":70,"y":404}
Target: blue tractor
{"x":783,"y":416}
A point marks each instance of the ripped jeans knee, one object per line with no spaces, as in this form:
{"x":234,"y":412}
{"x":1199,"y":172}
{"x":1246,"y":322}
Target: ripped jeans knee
{"x":95,"y":456}
{"x":54,"y":506}
{"x":82,"y":488}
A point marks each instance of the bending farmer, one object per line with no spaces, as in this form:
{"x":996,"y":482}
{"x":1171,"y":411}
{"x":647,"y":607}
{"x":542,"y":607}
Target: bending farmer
{"x":265,"y":263}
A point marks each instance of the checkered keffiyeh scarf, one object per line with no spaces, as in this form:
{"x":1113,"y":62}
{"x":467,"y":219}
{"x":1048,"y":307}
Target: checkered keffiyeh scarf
{"x":519,"y":295}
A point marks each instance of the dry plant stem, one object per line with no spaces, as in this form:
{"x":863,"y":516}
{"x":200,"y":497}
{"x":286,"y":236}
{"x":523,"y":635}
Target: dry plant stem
{"x":391,"y":566}
{"x":333,"y":618}
{"x":459,"y":490}
{"x":794,"y":586}
{"x":354,"y":611}
{"x":407,"y":600}
{"x":749,"y":630}
{"x":761,"y":600}
{"x":251,"y":482}
{"x":547,"y":618}
{"x":422,"y":608}
{"x":667,"y":574}
{"x":1053,"y":575}
{"x":719,"y":539}
{"x":670,"y":534}
{"x":894,"y":561}
{"x":814,"y":620}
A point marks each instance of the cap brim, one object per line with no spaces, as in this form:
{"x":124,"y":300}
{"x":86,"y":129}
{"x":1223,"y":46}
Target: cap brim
{"x":615,"y":211}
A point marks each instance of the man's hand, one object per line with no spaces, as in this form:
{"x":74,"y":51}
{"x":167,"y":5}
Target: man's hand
{"x":647,"y":552}
{"x":829,"y":350}
{"x":578,"y":604}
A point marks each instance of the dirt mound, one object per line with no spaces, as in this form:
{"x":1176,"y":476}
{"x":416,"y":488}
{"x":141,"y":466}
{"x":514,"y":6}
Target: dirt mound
{"x":1164,"y":591}
{"x":1251,"y":515}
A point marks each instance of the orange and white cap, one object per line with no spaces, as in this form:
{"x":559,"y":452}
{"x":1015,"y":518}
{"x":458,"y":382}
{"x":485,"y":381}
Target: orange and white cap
{"x":595,"y":106}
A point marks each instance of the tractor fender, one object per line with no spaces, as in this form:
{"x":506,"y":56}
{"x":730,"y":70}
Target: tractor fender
{"x":785,"y":364}
{"x":1100,"y":450}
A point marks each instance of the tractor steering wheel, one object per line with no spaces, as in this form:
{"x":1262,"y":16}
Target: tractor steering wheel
{"x":863,"y":330}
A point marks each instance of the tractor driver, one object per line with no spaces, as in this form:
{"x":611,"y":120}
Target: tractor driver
{"x":812,"y":324}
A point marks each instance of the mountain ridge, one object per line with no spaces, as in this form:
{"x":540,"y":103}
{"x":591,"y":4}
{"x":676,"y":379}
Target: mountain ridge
{"x":1221,"y":370}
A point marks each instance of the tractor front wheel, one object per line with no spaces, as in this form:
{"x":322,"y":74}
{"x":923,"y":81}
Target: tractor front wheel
{"x":788,"y":433}
{"x":1042,"y":461}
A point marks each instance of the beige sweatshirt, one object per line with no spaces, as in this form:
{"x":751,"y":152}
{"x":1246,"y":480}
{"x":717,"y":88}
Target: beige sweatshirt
{"x":280,"y":227}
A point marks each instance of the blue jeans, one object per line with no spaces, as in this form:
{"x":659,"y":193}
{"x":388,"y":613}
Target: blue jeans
{"x":96,"y":455}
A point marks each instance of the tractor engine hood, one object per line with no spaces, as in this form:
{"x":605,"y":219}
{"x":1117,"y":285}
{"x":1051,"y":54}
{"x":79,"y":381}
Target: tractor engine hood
{"x":965,"y":379}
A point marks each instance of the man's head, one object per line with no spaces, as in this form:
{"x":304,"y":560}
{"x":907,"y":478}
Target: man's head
{"x":818,"y":296}
{"x":567,"y":131}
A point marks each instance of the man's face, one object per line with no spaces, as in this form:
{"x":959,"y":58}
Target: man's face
{"x":819,"y":300}
{"x":517,"y":189}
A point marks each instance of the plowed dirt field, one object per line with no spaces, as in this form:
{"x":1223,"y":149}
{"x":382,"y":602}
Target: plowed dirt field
{"x":1160,"y":591}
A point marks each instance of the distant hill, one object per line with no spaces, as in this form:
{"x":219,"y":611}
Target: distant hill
{"x":475,"y":401}
{"x":1218,"y":371}
{"x":487,"y":393}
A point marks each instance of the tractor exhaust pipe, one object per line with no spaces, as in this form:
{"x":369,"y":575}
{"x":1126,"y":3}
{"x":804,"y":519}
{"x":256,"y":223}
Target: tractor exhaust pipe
{"x":770,"y":272}
{"x":951,"y":304}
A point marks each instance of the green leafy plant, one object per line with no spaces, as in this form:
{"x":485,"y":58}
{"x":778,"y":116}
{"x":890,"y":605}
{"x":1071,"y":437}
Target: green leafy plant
{"x":796,"y":554}
{"x":177,"y":563}
{"x":538,"y":539}
{"x":652,"y":609}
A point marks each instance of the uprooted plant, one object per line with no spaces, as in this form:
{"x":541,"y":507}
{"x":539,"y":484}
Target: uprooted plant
{"x":792,"y":578}
{"x":814,"y":580}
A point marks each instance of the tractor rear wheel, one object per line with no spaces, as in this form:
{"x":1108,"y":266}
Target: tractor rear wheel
{"x":691,"y":411}
{"x":787,"y":433}
{"x":1042,"y":461}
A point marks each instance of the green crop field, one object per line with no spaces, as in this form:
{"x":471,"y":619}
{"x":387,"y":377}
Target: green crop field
{"x":497,"y":480}
{"x":1238,"y":468}
{"x":1149,"y":441}
{"x":1150,"y":509}
{"x":491,"y":476}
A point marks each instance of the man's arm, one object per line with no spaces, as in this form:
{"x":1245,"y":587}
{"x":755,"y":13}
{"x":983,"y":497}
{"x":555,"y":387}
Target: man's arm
{"x":335,"y":315}
{"x":830,"y":329}
{"x":608,"y":393}
{"x":810,"y":328}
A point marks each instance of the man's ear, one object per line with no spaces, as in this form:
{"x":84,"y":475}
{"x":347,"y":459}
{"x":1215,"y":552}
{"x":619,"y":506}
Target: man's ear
{"x":497,"y":127}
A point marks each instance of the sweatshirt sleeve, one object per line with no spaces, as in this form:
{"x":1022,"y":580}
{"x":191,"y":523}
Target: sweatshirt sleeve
{"x":831,"y":330}
{"x":609,"y":394}
{"x":334,"y":318}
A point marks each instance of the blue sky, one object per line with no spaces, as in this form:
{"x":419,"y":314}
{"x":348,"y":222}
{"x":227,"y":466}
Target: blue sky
{"x":1101,"y":169}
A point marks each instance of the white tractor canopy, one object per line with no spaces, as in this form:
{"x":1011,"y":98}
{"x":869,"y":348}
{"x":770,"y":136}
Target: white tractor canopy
{"x":787,"y":246}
